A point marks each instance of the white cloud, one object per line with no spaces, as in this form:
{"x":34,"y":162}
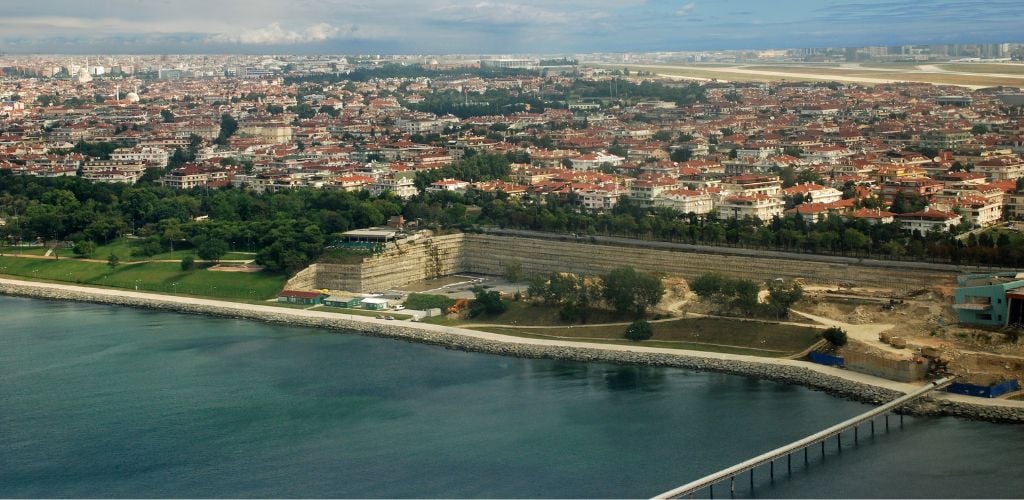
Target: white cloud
{"x":686,"y":9}
{"x":502,"y":13}
{"x":273,"y":34}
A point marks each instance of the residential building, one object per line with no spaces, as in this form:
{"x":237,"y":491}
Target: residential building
{"x":686,"y":201}
{"x":761,"y":206}
{"x":928,"y":220}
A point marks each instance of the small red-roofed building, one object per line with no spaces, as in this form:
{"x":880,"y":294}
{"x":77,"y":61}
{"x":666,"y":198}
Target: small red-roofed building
{"x":453,"y":185}
{"x":873,"y":215}
{"x":813,"y":192}
{"x":811,"y":212}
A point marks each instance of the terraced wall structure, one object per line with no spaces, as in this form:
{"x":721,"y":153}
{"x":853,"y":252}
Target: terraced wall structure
{"x":489,"y":254}
{"x":399,"y":265}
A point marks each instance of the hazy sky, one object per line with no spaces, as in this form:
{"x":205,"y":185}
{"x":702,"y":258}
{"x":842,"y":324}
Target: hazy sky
{"x":492,"y":26}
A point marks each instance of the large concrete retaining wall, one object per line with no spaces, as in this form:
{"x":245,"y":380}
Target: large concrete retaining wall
{"x":398,"y":265}
{"x":489,"y":254}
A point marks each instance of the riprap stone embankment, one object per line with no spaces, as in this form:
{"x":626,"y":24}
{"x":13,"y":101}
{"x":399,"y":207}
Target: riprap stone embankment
{"x":783,"y":371}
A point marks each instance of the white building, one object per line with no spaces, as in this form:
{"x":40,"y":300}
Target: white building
{"x":599,"y":199}
{"x":593,"y":161}
{"x":686,"y":201}
{"x":760,"y":206}
{"x":402,"y":185}
{"x":814,"y":192}
{"x":153,"y":156}
{"x":928,"y":220}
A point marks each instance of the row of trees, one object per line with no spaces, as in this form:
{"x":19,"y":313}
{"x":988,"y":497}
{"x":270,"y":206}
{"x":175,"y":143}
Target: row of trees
{"x":623,"y":289}
{"x":831,"y":235}
{"x":741,"y":296}
{"x":287,"y":230}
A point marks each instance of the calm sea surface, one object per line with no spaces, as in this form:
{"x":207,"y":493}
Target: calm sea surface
{"x":99,"y":401}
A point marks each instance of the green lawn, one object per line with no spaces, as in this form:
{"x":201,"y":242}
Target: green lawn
{"x":28,"y":250}
{"x":122,"y":248}
{"x":361,"y":312}
{"x":528,"y":314}
{"x":702,"y":334}
{"x":166,"y":277}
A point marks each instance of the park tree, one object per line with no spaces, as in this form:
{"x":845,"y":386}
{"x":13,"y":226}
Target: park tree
{"x":113,"y":260}
{"x":731,"y":294}
{"x":487,"y":301}
{"x":84,"y":248}
{"x":638,"y":330}
{"x":228,"y":127}
{"x":167,"y":115}
{"x":188,"y":263}
{"x":782,"y":296}
{"x":210,"y":248}
{"x":681,"y":154}
{"x":835,"y":336}
{"x":628,"y":291}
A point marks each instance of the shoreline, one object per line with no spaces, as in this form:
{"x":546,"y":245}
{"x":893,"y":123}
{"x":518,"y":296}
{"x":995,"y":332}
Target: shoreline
{"x":834,"y":381}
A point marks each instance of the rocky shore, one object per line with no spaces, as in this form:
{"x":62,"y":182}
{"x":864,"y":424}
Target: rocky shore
{"x":454,"y":338}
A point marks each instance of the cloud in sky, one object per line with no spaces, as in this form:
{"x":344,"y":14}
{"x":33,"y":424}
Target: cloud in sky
{"x":273,"y":34}
{"x":686,"y":9}
{"x":503,"y":26}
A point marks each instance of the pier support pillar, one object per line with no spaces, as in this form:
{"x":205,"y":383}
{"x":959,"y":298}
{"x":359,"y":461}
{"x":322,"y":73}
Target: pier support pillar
{"x":789,"y":463}
{"x":771,"y":470}
{"x":805,"y":454}
{"x":732,"y":484}
{"x":872,"y":427}
{"x":855,"y":437}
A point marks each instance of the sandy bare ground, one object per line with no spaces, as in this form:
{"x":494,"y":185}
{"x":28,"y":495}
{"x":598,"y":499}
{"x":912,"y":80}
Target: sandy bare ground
{"x":741,"y":70}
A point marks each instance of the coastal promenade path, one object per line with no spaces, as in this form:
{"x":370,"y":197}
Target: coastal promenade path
{"x":105,"y":295}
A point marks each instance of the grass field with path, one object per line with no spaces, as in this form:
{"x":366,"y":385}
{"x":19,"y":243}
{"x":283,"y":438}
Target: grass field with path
{"x":707,"y":334}
{"x":122,"y":248}
{"x":164,"y":277}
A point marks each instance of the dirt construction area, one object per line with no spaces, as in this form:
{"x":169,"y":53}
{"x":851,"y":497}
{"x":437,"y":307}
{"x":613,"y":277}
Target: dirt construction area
{"x":924,"y":324}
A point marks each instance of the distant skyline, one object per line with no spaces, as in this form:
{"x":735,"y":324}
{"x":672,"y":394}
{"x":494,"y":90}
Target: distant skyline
{"x":492,"y":26}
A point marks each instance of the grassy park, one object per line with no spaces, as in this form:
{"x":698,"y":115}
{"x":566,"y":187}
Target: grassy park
{"x":735,"y":336}
{"x":164,"y":277}
{"x":123,"y":248}
{"x":698,"y":334}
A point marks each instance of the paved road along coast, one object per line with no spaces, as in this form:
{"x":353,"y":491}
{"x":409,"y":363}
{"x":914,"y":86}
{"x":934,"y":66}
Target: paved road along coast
{"x":836,"y":381}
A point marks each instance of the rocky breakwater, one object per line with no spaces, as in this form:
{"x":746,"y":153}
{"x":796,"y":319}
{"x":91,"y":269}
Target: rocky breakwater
{"x":782,"y":371}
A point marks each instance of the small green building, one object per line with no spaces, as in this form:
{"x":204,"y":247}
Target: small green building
{"x":990,"y":299}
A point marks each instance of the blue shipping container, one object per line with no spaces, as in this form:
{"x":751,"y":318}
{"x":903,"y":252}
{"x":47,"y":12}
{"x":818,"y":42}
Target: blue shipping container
{"x":826,"y":359}
{"x":992,"y":391}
